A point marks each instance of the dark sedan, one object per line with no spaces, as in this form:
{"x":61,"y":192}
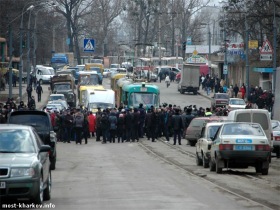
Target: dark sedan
{"x":24,"y":164}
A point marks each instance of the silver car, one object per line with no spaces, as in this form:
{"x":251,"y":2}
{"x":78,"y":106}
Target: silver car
{"x":24,"y":164}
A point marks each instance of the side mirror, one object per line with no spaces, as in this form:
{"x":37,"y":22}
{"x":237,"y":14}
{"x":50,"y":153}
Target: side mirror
{"x":45,"y":148}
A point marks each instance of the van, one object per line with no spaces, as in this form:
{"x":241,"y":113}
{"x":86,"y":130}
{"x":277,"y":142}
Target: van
{"x":44,"y":73}
{"x":260,"y":116}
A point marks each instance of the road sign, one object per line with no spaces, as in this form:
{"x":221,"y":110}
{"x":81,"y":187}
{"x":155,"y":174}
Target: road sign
{"x":266,"y":48}
{"x":266,"y":57}
{"x":89,"y":45}
{"x":253,"y":44}
{"x":225,"y":70}
{"x":189,"y":41}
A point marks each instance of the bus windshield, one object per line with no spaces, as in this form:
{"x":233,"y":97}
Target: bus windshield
{"x":89,"y":79}
{"x":144,"y":98}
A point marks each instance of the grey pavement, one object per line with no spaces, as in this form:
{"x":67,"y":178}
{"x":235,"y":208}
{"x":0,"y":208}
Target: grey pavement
{"x":204,"y":93}
{"x":4,"y":95}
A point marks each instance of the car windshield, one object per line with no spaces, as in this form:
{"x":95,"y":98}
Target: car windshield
{"x":144,"y":98}
{"x":222,"y":96}
{"x":45,"y":72}
{"x":212,"y":131}
{"x":97,"y":69}
{"x":114,"y":66}
{"x":101,"y":105}
{"x":38,"y":121}
{"x":16,"y":141}
{"x":237,"y":102}
{"x":91,"y":79}
{"x":275,"y":126}
{"x":197,"y":123}
{"x":54,"y":98}
{"x":59,"y":87}
{"x":242,"y":129}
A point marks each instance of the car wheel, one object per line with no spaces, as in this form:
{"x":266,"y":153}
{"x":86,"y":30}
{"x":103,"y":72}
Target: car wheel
{"x":205,"y":162}
{"x":47,"y":190}
{"x":198,"y":160}
{"x":53,"y":162}
{"x":218,"y":169}
{"x":211,"y":165}
{"x":181,"y":91}
{"x":39,"y":197}
{"x":192,"y":143}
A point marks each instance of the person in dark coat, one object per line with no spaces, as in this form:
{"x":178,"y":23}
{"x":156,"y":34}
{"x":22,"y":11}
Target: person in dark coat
{"x":142,"y":117}
{"x":105,"y":126}
{"x":29,"y":92}
{"x":235,"y":90}
{"x":151,"y":124}
{"x":136,"y":123}
{"x":39,"y":91}
{"x":121,"y":126}
{"x":128,"y":124}
{"x":177,"y":126}
{"x":113,"y":125}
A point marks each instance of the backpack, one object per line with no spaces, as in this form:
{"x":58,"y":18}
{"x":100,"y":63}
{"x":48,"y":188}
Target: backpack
{"x":79,"y":120}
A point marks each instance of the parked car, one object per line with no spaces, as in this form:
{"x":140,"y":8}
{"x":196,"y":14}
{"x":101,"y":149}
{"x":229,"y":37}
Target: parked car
{"x":203,"y":144}
{"x":41,"y":121}
{"x":275,"y":124}
{"x":54,"y":97}
{"x":63,"y":103}
{"x":193,"y":132}
{"x":219,"y":100}
{"x":236,"y":103}
{"x":24,"y":164}
{"x":240,"y":145}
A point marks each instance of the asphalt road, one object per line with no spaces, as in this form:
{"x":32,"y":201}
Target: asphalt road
{"x":152,"y":176}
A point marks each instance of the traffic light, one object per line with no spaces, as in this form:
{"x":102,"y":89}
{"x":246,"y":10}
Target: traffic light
{"x":184,"y":46}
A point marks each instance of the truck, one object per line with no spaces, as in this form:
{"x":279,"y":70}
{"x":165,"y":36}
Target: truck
{"x":189,"y":81}
{"x":59,"y":60}
{"x":99,"y":98}
{"x":64,"y":84}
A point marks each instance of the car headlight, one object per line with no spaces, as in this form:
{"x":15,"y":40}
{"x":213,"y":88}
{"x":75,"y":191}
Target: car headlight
{"x":17,"y":172}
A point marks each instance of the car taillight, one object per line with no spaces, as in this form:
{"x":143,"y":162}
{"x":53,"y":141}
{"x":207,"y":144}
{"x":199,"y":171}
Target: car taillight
{"x":225,"y":147}
{"x":277,"y":138}
{"x":262,"y":147}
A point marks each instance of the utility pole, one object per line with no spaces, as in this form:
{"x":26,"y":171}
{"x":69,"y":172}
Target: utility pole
{"x":159,"y":40}
{"x":225,"y":70}
{"x":10,"y":61}
{"x":274,"y":50}
{"x":247,"y":58}
{"x":28,"y":49}
{"x":209,"y":53}
{"x":20,"y":58}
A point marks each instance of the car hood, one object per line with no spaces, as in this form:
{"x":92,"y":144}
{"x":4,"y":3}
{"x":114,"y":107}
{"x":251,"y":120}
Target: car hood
{"x":17,"y":159}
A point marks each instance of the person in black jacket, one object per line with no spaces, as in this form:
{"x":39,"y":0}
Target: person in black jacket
{"x":136,"y":122}
{"x":177,"y":126}
{"x":128,"y":124}
{"x":105,"y":126}
{"x":151,"y":124}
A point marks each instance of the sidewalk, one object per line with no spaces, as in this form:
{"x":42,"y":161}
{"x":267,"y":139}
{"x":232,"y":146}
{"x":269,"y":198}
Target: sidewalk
{"x":4,"y":95}
{"x":204,"y":93}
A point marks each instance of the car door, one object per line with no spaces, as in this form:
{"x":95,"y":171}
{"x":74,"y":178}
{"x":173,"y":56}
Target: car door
{"x":43,"y":156}
{"x":200,"y":141}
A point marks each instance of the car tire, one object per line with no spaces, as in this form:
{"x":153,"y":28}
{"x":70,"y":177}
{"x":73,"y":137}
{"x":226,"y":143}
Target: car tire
{"x":205,"y":162}
{"x":53,"y":163}
{"x":211,"y":165}
{"x":198,"y":160}
{"x":181,"y":91}
{"x":47,"y":190}
{"x":192,"y":143}
{"x":40,"y":195}
{"x":218,"y":169}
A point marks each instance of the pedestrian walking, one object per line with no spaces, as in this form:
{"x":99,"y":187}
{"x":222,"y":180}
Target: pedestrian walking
{"x":31,"y":103}
{"x":39,"y":91}
{"x":29,"y":92}
{"x":235,"y":90}
{"x":78,"y":121}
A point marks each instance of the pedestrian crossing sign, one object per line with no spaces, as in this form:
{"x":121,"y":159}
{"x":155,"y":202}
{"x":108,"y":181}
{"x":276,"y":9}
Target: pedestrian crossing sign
{"x":89,"y":45}
{"x":266,"y":48}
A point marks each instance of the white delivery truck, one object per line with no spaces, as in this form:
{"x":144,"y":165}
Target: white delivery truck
{"x":100,"y":98}
{"x":189,"y":79}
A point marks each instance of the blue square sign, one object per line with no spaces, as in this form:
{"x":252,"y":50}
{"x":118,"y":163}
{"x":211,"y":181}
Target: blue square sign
{"x":89,"y":45}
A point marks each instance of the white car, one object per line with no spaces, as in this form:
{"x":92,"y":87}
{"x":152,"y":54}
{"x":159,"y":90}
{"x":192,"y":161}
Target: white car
{"x":57,"y":107}
{"x":240,"y":145}
{"x":275,"y":124}
{"x":203,"y":144}
{"x":106,"y":73}
{"x":63,"y":103}
{"x":54,"y":97}
{"x":236,"y":103}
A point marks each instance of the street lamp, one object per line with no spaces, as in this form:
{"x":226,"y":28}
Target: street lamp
{"x":20,"y":50}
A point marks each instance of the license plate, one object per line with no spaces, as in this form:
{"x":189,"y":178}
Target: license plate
{"x":244,"y":147}
{"x":2,"y":185}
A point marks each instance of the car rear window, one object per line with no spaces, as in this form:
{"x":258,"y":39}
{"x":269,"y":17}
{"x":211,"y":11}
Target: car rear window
{"x":261,"y":118}
{"x":197,"y":123}
{"x":39,"y":122}
{"x":244,"y":117}
{"x":222,"y":96}
{"x":242,"y":129}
